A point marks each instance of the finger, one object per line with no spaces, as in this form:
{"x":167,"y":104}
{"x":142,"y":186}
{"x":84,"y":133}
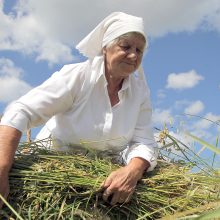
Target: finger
{"x":121,"y":200}
{"x":102,"y":185}
{"x":106,"y":194}
{"x":126,"y":196}
{"x":128,"y":199}
{"x":1,"y":204}
{"x":116,"y":199}
{"x":1,"y":201}
{"x":107,"y":182}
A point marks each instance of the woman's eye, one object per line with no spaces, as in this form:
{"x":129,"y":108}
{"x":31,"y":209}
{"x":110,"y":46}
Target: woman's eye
{"x":139,"y":50}
{"x":125,"y":47}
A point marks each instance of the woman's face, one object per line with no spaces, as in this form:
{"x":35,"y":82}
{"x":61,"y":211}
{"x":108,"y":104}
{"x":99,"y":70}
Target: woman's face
{"x":124,"y":57}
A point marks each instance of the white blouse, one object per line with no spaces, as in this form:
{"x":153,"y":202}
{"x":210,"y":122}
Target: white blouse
{"x":76,"y":108}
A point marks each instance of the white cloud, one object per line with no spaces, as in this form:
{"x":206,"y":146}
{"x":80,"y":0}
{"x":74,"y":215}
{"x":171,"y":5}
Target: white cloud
{"x":54,"y":52}
{"x":7,"y":68}
{"x":180,"y":104}
{"x":25,"y":33}
{"x":48,"y":29}
{"x":208,"y":120}
{"x":161,"y":94}
{"x":206,"y":127}
{"x":11,"y":84}
{"x":176,"y":16}
{"x":194,"y":108}
{"x":161,"y":117}
{"x":183,"y":80}
{"x":214,"y":19}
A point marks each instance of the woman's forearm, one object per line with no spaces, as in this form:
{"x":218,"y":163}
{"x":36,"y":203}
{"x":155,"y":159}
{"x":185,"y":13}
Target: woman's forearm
{"x":9,"y":140}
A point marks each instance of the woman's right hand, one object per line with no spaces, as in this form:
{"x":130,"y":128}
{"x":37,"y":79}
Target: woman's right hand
{"x":4,"y":186}
{"x":9,"y":139}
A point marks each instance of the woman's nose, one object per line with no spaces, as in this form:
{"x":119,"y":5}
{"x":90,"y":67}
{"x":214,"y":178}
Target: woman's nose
{"x":133,"y":54}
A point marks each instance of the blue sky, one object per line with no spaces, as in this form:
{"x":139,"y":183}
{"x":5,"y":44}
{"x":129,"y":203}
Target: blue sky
{"x":182,"y":64}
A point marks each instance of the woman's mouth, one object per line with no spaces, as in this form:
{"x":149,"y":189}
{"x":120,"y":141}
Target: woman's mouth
{"x":129,"y":63}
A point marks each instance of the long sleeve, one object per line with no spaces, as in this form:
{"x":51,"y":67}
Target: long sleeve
{"x":143,"y":144}
{"x":54,"y":96}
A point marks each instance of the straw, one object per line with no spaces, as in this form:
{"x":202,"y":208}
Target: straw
{"x":54,"y":185}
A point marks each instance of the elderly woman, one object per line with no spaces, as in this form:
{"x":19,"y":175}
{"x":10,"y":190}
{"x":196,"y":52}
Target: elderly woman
{"x":101,"y":104}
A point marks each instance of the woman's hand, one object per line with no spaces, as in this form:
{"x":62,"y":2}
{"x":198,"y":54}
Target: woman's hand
{"x":4,"y":186}
{"x":120,"y":184}
{"x":9,"y":139}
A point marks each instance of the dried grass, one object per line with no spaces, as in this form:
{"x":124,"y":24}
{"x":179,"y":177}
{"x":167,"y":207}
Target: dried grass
{"x":54,"y":185}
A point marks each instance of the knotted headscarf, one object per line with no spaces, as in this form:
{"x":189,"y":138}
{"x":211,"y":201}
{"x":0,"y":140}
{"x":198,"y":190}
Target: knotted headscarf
{"x":113,"y":26}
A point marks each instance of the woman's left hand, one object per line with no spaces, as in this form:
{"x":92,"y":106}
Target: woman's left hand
{"x":120,"y":184}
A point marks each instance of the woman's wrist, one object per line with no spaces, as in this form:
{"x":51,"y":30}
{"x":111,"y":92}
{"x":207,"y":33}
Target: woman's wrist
{"x":138,"y":165}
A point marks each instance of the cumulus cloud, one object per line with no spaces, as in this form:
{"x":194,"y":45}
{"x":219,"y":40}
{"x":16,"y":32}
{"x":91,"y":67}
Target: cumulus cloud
{"x":183,"y":80}
{"x":207,"y":127}
{"x":161,"y":117}
{"x":161,"y":94}
{"x":194,"y":108}
{"x":11,"y":84}
{"x":180,"y":104}
{"x":207,"y":121}
{"x":49,"y":29}
{"x":25,"y":33}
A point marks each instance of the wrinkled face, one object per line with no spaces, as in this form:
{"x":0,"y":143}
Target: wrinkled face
{"x":123,"y":57}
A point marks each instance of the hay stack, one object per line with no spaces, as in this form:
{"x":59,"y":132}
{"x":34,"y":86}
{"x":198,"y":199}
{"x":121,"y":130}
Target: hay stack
{"x":46,"y":185}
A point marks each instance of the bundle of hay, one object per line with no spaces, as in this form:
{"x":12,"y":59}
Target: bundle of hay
{"x":52,"y":185}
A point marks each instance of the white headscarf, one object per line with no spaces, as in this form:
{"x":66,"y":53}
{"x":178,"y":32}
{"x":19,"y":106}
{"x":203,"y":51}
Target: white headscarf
{"x":113,"y":26}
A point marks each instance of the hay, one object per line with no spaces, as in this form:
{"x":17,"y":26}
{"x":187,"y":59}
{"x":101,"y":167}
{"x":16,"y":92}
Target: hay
{"x":52,"y":185}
